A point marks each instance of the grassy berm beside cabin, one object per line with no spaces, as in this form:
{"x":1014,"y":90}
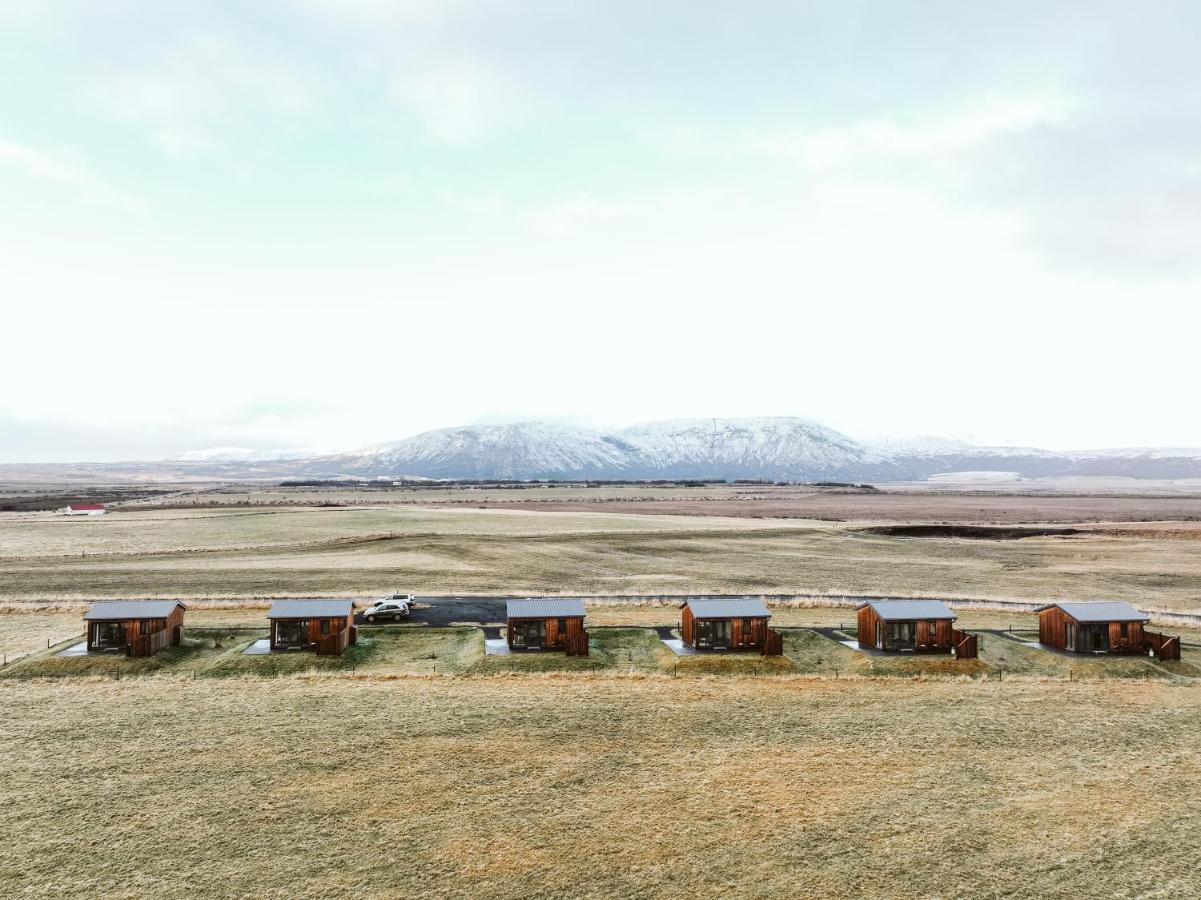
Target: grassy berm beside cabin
{"x":563,"y":786}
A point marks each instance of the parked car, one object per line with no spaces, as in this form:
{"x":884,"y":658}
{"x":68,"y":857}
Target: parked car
{"x":393,"y":608}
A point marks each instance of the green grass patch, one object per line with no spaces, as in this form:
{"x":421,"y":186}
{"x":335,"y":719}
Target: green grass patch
{"x":196,"y":651}
{"x":609,"y":649}
{"x":1009,"y":656}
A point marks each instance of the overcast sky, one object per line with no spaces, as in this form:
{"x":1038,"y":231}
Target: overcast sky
{"x":335,"y":222}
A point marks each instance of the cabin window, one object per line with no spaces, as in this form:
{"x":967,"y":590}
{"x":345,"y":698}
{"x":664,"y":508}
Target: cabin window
{"x":1124,"y":629}
{"x":292,"y":632}
{"x":901,"y":632}
{"x":110,"y":634}
{"x":562,"y":627}
{"x":324,"y":627}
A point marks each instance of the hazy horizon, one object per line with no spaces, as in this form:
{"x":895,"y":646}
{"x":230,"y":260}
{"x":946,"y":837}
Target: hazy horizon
{"x":331,"y":223}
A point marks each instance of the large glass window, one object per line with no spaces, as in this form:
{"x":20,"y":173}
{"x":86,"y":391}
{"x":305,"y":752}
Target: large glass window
{"x":292,"y":632}
{"x":713,"y":633}
{"x":109,"y":634}
{"x":901,"y":633}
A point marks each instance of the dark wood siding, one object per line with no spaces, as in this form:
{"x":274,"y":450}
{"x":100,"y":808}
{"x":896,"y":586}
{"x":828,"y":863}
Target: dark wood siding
{"x":1164,"y":646}
{"x":867,"y":627}
{"x":1052,"y":627}
{"x":965,"y":644}
{"x":556,"y":638}
{"x":327,"y":635}
{"x":746,"y":632}
{"x":687,"y":626}
{"x":1053,"y":631}
{"x":929,"y":635}
{"x":144,"y":637}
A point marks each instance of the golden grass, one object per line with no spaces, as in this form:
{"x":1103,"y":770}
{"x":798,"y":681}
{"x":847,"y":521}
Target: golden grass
{"x":591,"y":786}
{"x":363,"y":552}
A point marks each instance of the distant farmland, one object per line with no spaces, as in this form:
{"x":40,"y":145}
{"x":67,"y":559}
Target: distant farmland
{"x":239,"y":554}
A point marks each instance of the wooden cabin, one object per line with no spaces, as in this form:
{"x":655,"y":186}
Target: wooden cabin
{"x":720,"y":624}
{"x":324,"y":626}
{"x":906,"y":626}
{"x":546,"y":624}
{"x":134,"y":627}
{"x":1096,"y":627}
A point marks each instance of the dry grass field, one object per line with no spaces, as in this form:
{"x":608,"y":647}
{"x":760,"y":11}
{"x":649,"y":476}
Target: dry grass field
{"x":236,"y":554}
{"x":556,"y":786}
{"x":1061,"y":501}
{"x":417,"y":765}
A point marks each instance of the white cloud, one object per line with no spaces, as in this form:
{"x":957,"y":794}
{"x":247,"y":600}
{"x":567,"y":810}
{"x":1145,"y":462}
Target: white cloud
{"x":567,"y":217}
{"x":458,"y":100}
{"x":68,"y":173}
{"x":191,"y":96}
{"x":889,"y":137}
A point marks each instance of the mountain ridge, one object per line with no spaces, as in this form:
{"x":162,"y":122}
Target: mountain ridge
{"x":778,"y":448}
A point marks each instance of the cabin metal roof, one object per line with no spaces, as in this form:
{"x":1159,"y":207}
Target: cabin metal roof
{"x":1100,"y":611}
{"x":711,"y":608}
{"x":546,"y":608}
{"x":310,"y":609}
{"x":906,"y":610}
{"x":104,"y":610}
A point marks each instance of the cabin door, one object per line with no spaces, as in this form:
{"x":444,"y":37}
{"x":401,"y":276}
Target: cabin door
{"x":1070,"y":638}
{"x":902,"y":635}
{"x":1094,"y":638}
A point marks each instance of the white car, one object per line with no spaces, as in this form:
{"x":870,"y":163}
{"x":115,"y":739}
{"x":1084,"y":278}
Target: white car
{"x":394,"y":608}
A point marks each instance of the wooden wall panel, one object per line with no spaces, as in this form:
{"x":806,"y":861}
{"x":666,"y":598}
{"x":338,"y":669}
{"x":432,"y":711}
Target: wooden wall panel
{"x":1052,"y":627}
{"x":867,"y":627}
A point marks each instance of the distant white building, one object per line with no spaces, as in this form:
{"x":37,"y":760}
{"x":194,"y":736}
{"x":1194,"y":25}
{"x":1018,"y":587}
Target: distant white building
{"x":85,"y":509}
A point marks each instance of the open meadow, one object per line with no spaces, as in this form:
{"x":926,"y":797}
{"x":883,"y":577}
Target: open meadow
{"x":415,"y":764}
{"x":553,"y":786}
{"x":238,"y":554}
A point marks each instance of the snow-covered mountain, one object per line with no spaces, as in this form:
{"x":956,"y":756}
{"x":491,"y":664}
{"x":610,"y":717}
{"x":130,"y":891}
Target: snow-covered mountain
{"x":526,"y":450}
{"x":768,"y":447}
{"x":776,"y":448}
{"x":679,"y":448}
